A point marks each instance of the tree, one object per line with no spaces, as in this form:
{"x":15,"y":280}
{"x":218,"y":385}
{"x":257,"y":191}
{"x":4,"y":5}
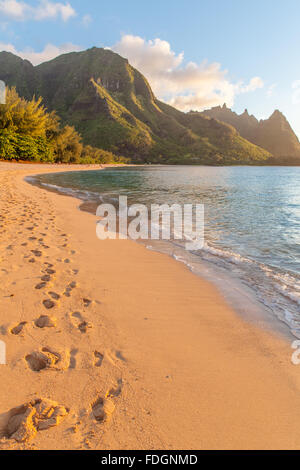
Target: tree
{"x":67,"y":146}
{"x":29,"y":132}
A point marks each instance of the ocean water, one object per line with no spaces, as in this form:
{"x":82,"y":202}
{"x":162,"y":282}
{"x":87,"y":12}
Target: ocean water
{"x":252,"y":221}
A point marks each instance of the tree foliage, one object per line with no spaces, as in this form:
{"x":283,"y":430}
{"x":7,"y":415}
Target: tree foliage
{"x":28,"y":132}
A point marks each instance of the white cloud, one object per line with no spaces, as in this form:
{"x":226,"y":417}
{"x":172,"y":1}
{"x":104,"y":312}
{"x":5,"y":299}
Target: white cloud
{"x":296,"y":92}
{"x":185,"y":86}
{"x":49,"y":52}
{"x":45,"y":9}
{"x":13,"y":9}
{"x":254,"y":84}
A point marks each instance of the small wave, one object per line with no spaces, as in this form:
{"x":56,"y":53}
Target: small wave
{"x":81,"y":194}
{"x":279,"y":290}
{"x":230,"y":256}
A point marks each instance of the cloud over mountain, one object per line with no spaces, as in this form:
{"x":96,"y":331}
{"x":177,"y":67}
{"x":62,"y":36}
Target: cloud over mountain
{"x":49,"y":52}
{"x":185,"y":86}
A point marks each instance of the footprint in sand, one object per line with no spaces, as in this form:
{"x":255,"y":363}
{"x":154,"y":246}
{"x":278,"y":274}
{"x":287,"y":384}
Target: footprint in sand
{"x":103,"y":408}
{"x":73,"y":360}
{"x":84,"y":326}
{"x":69,"y":289}
{"x":48,"y":304}
{"x":116,"y":390}
{"x":54,"y":295}
{"x":49,"y":265}
{"x":114,"y":357}
{"x":86,"y":302}
{"x":80,"y":323}
{"x":50,"y":271}
{"x":37,"y":253}
{"x":41,"y":285}
{"x":4,"y":329}
{"x":48,"y":359}
{"x":98,"y":359}
{"x":45,"y":321}
{"x":16,"y":330}
{"x":39,"y":360}
{"x":23,"y":422}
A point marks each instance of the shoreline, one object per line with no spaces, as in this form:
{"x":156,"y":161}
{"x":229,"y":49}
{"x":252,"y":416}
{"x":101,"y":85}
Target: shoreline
{"x":231,"y":288}
{"x":181,"y":368}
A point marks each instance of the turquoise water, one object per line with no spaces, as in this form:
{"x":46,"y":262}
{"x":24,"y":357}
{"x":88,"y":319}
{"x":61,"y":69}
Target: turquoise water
{"x":252,"y":219}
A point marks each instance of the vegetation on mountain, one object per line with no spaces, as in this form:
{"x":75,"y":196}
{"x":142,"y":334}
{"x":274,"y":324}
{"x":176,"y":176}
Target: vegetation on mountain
{"x":28,"y":132}
{"x":99,"y":95}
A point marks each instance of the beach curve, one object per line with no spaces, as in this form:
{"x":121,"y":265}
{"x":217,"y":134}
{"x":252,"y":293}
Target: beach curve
{"x":101,"y":329}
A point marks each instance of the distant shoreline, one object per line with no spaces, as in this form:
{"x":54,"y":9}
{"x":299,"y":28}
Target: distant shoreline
{"x":118,"y":165}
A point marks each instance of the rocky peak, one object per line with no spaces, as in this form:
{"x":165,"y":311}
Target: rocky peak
{"x":277,"y":115}
{"x":274,"y":134}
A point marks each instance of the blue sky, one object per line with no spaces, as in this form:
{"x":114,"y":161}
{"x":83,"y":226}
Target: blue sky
{"x":255,"y":42}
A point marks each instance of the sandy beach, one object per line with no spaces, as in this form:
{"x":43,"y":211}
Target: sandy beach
{"x":112,"y":346}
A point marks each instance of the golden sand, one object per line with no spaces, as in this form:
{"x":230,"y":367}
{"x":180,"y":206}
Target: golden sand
{"x":131,"y":349}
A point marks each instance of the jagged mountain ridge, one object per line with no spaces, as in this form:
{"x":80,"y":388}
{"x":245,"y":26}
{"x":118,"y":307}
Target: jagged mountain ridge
{"x":274,"y":134}
{"x":112,"y":105}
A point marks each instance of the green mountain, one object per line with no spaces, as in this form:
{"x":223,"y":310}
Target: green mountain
{"x":113,"y":107}
{"x":274,"y":134}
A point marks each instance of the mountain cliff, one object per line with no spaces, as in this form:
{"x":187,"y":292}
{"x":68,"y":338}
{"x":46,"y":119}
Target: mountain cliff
{"x":113,"y":107}
{"x":274,"y":134}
